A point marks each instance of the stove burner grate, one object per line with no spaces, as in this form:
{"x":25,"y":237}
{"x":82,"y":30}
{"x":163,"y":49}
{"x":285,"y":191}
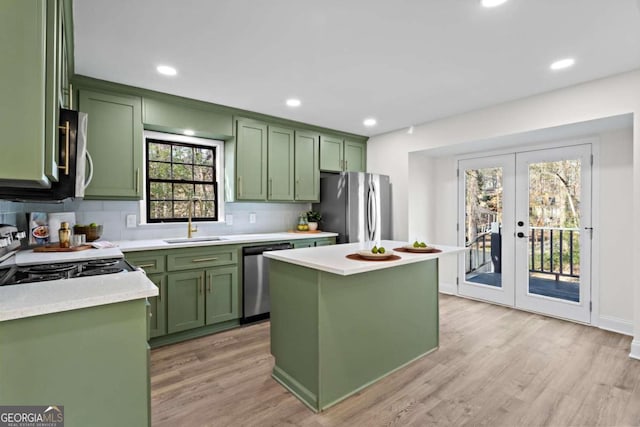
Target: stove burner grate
{"x":100,"y":271}
{"x":49,"y":268}
{"x":34,"y":279}
{"x":102,"y":262}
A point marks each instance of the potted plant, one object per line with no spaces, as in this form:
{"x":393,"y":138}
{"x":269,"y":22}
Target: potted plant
{"x":313,"y":218}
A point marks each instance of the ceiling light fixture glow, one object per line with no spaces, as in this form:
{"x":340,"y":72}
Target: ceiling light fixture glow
{"x":293,"y":102}
{"x":166,"y":70}
{"x":370,"y":122}
{"x":410,"y":130}
{"x":562,"y":63}
{"x":189,"y":132}
{"x":492,"y":3}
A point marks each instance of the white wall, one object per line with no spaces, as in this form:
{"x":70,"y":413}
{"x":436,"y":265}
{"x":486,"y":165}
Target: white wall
{"x":616,"y":95}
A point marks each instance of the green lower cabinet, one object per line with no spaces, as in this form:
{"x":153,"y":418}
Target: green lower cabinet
{"x":222,"y":295}
{"x":185,"y":305}
{"x":201,"y":297}
{"x":302,"y":244}
{"x":93,"y":361}
{"x":158,"y":309}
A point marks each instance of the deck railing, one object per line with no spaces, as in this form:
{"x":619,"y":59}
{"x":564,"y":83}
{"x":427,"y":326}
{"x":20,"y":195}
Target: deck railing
{"x":553,"y":250}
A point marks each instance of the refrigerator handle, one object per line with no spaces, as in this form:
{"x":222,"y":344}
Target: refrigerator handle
{"x":371,"y":209}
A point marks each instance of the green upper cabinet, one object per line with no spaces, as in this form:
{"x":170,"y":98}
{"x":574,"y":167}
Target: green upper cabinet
{"x":176,"y":118}
{"x":251,"y":160}
{"x":30,"y":46}
{"x":114,"y":141}
{"x":307,"y":166}
{"x":340,"y":155}
{"x":331,"y":154}
{"x":355,"y":156}
{"x":280,"y":164}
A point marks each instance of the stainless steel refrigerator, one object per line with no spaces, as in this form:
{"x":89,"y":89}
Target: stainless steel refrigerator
{"x":355,"y":205}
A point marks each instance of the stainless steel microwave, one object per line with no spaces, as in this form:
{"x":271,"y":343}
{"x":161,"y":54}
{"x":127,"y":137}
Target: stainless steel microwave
{"x":76,"y":164}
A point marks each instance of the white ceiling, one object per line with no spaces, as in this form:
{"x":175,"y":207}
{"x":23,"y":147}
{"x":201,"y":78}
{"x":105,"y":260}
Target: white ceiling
{"x":404,"y":62}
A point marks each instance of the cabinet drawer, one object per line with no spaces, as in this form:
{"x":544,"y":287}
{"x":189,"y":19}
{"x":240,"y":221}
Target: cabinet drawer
{"x":188,"y":259}
{"x":149,"y":262}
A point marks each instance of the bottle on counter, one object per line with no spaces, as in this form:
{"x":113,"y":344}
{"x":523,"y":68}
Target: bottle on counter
{"x":64,"y":235}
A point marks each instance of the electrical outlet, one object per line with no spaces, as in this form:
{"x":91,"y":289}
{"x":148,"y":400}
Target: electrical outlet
{"x":131,"y":221}
{"x":252,"y":218}
{"x":228,"y":219}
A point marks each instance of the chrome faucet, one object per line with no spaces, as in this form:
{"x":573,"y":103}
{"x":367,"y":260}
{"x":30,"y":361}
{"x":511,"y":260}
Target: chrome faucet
{"x":190,"y":228}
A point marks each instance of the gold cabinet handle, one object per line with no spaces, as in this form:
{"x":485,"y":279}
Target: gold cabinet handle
{"x":70,"y":96}
{"x":270,"y":187}
{"x":137,"y":180}
{"x":200,"y":285}
{"x":240,"y":186}
{"x":346,"y":165}
{"x":66,"y":147}
{"x":209,"y":285}
{"x":203,"y":259}
{"x":146,"y":265}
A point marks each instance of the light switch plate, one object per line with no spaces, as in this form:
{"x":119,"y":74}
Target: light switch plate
{"x":252,"y":218}
{"x":228,"y":219}
{"x":131,"y":221}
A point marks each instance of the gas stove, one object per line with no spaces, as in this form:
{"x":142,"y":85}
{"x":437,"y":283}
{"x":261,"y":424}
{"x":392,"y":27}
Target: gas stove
{"x":16,"y":275}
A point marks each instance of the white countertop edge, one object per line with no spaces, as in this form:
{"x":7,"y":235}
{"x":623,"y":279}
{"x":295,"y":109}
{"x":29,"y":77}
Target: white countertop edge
{"x":155,"y":244}
{"x":35,"y":299}
{"x":332,"y":259}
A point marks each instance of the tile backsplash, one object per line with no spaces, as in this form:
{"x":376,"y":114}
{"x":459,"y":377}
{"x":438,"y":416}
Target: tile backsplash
{"x":269,"y":217}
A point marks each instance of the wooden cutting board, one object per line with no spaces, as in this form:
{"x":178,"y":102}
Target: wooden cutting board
{"x":56,"y":248}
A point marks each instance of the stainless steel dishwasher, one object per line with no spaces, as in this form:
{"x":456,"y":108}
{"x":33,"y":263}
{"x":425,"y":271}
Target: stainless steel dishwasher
{"x":255,"y":284}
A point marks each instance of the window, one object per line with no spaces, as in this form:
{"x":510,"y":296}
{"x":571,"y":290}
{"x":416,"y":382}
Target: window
{"x":180,"y":170}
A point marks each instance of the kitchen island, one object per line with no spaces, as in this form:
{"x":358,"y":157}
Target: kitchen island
{"x":338,"y":325}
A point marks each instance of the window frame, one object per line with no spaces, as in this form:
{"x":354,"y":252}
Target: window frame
{"x":175,"y":139}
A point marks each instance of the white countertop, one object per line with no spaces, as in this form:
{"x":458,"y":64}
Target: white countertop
{"x":332,"y":259}
{"x":34,"y":299}
{"x":145,"y":245}
{"x":29,"y":257}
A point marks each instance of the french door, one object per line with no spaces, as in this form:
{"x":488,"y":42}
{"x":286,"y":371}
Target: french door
{"x":526,"y":221}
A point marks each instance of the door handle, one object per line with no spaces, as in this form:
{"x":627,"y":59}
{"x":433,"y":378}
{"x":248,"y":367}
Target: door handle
{"x":521,"y":234}
{"x":67,"y":150}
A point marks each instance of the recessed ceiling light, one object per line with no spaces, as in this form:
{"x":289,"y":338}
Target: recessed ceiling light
{"x":293,"y":102}
{"x":166,"y":70}
{"x":562,"y":63}
{"x":492,"y":3}
{"x":410,"y":130}
{"x":189,"y":132}
{"x":370,"y":122}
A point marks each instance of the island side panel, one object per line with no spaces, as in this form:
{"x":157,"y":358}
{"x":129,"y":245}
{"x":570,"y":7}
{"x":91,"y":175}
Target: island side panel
{"x":374,"y":323}
{"x":93,"y":361}
{"x":294,"y":328}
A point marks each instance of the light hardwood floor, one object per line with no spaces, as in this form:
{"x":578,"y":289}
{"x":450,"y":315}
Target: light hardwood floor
{"x":495,"y":366}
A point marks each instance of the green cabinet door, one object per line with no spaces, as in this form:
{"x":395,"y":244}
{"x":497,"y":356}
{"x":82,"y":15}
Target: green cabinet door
{"x":114,"y":141}
{"x":355,"y":156}
{"x":185,"y":300}
{"x":176,"y":118}
{"x":22,"y":90}
{"x":158,"y":309}
{"x":280,"y":164}
{"x":307,"y":166}
{"x":303,"y":244}
{"x":222,"y":294}
{"x":331,"y":154}
{"x":251,"y":160}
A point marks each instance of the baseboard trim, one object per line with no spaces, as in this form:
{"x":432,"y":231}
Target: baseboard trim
{"x":448,"y":288}
{"x":635,"y":349}
{"x":615,"y":324}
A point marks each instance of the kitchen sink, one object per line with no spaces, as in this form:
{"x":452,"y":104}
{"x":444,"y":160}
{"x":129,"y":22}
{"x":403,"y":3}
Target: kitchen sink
{"x":194,"y":239}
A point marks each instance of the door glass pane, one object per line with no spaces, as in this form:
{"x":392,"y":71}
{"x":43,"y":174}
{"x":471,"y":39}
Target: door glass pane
{"x":554,"y":229}
{"x":483,"y":219}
